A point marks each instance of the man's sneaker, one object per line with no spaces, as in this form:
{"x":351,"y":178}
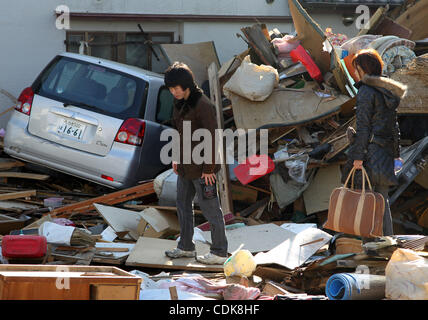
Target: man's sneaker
{"x":178,"y":253}
{"x":211,"y":258}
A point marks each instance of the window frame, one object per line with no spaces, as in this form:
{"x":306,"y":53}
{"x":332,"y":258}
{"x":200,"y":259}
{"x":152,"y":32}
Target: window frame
{"x":118,"y":46}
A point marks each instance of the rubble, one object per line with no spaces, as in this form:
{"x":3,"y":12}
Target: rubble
{"x":277,"y":219}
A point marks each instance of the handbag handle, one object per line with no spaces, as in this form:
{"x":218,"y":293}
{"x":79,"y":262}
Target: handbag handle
{"x":365,"y":176}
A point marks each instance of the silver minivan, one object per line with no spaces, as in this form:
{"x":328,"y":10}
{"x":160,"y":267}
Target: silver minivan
{"x":92,"y":118}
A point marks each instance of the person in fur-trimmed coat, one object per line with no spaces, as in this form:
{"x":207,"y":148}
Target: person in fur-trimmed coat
{"x":375,"y":142}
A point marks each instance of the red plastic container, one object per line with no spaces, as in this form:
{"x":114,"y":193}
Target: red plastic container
{"x":255,"y":166}
{"x":23,"y":246}
{"x":300,"y":54}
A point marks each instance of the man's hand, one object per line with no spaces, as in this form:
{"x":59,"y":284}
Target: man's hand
{"x":209,"y":178}
{"x":174,"y":167}
{"x":358,"y":164}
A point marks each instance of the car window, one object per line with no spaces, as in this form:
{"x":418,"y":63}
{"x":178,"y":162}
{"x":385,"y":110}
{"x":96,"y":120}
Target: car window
{"x":93,"y":87}
{"x":165,"y":106}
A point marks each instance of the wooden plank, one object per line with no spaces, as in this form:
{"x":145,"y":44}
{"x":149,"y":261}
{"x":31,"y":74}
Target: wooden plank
{"x":24,"y":175}
{"x":414,"y":19}
{"x":260,"y":44}
{"x":272,"y":289}
{"x":150,"y":252}
{"x":173,"y":293}
{"x":389,"y":27}
{"x":113,"y":249}
{"x":16,"y":195}
{"x":223,"y":176}
{"x":86,"y":206}
{"x":6,"y":164}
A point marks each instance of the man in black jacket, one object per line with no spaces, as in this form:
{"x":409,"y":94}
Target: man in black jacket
{"x":194,"y":110}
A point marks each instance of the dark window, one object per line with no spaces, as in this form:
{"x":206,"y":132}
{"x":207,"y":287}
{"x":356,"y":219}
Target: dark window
{"x":130,"y":48}
{"x":165,"y":106}
{"x":93,"y":87}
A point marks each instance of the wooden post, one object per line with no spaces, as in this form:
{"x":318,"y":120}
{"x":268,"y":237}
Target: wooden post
{"x":223,"y":176}
{"x":173,"y":293}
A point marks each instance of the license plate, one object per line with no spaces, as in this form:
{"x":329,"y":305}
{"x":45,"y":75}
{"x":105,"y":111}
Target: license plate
{"x":70,"y":128}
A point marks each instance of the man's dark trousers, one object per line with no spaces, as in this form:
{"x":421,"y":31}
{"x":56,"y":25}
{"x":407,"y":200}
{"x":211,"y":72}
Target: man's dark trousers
{"x":210,"y":206}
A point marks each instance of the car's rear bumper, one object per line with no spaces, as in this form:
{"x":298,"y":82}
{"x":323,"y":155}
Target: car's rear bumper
{"x":121,"y":163}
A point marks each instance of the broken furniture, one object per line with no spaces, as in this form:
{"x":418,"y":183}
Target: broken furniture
{"x":65,"y":282}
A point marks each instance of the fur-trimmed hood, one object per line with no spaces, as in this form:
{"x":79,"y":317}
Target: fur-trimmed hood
{"x":396,"y":88}
{"x":393,"y":91}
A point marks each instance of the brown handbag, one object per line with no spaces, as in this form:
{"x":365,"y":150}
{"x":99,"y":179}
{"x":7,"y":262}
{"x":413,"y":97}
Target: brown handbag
{"x":356,"y":212}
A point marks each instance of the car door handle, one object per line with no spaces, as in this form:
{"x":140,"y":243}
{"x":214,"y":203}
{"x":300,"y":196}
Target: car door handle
{"x":62,"y":112}
{"x":84,"y":118}
{"x":75,"y":115}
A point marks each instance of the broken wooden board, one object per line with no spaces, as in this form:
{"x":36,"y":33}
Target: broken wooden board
{"x":284,"y":107}
{"x":198,"y":56}
{"x":317,"y":195}
{"x":23,"y":175}
{"x":120,"y":219}
{"x":295,"y":250}
{"x":338,"y":139}
{"x":223,"y":175}
{"x":256,"y":238}
{"x":414,"y":19}
{"x":6,"y":163}
{"x":389,"y":27}
{"x":15,"y":205}
{"x":164,"y":223}
{"x":86,"y":206}
{"x":16,"y":195}
{"x":150,"y":252}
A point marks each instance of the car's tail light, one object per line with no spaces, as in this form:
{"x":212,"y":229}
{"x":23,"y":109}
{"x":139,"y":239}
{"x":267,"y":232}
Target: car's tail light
{"x":131,"y":132}
{"x":25,"y":101}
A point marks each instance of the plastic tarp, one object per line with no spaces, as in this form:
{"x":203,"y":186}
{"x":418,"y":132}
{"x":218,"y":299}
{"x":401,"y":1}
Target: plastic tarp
{"x":407,"y":276}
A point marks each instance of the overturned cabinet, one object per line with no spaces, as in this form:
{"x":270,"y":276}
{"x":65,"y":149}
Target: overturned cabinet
{"x":50,"y":282}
